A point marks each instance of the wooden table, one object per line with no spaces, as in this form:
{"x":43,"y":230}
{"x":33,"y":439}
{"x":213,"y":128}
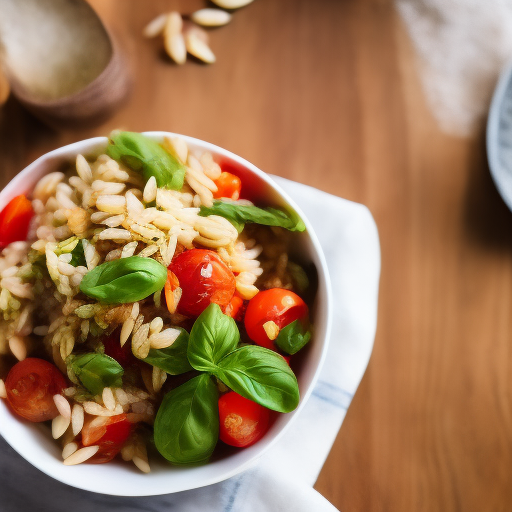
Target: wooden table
{"x":325,"y":92}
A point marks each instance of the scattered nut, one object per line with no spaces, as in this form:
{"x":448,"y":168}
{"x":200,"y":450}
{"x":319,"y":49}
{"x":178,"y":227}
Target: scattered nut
{"x":231,"y":4}
{"x":211,"y":17}
{"x":173,"y":38}
{"x":155,"y":27}
{"x":198,"y":48}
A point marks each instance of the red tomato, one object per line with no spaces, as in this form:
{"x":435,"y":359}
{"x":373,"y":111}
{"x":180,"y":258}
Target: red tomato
{"x":15,"y":220}
{"x":242,"y":421}
{"x":30,"y":387}
{"x":204,"y":278}
{"x":278,"y":305}
{"x":235,"y":308}
{"x":109,"y":433}
{"x":123,"y":355}
{"x":228,"y":185}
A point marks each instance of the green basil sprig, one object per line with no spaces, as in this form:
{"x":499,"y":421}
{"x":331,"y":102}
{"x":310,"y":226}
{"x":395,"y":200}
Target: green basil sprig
{"x":187,"y":423}
{"x":292,"y":337}
{"x":124,"y":280}
{"x":173,"y":359}
{"x":75,"y":247}
{"x":239,"y":215}
{"x":78,"y":255}
{"x":97,"y":371}
{"x":146,"y":156}
{"x":261,"y":375}
{"x":299,"y":276}
{"x":257,"y":373}
{"x":188,"y":416}
{"x":213,"y":336}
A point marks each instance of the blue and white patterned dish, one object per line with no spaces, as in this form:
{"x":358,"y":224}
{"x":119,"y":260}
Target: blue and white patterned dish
{"x":499,"y":136}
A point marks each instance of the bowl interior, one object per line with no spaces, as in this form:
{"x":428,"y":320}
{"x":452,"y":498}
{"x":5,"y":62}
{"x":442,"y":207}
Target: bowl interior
{"x":34,"y":441}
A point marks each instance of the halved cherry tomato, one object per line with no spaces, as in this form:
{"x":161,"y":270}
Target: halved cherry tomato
{"x":30,"y":386}
{"x":277,"y":305}
{"x":15,"y":220}
{"x":171,"y":284}
{"x":242,"y":421}
{"x":109,"y":433}
{"x":204,"y":278}
{"x":228,"y":185}
{"x":123,"y":355}
{"x":235,"y":307}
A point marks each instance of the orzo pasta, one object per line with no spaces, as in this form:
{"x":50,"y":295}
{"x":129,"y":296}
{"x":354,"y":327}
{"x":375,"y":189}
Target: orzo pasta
{"x":143,"y":295}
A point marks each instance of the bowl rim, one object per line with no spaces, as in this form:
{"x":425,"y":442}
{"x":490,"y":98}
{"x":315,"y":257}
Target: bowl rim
{"x":86,"y":147}
{"x":492,"y":133}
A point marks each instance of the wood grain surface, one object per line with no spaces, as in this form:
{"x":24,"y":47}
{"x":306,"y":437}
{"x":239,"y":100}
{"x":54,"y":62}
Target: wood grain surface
{"x":325,"y":92}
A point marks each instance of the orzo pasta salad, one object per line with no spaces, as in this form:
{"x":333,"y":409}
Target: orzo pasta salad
{"x":145,"y":303}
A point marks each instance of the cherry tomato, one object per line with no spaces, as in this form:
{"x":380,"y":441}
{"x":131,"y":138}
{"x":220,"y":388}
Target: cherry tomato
{"x":204,"y":278}
{"x":278,"y":305}
{"x":109,"y":433}
{"x":171,"y":284}
{"x":235,"y":308}
{"x":15,"y":220}
{"x":242,"y":421}
{"x":30,"y":387}
{"x":228,"y":185}
{"x":123,"y":355}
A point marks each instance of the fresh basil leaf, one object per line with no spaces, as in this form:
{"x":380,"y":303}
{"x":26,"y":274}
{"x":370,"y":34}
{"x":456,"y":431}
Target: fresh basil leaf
{"x":78,"y":255}
{"x":124,"y":280}
{"x":239,"y":214}
{"x":261,"y":375}
{"x":292,"y":337}
{"x":299,"y":276}
{"x":173,"y":359}
{"x":187,"y":422}
{"x":147,"y":156}
{"x":213,"y":336}
{"x":97,"y":371}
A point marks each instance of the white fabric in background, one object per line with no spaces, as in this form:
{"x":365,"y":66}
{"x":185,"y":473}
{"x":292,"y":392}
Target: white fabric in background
{"x":283,"y":479}
{"x":462,"y":47}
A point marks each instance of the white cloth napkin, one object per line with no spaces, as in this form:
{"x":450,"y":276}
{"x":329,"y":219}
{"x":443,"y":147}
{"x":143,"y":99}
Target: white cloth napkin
{"x":462,"y":47}
{"x":282,"y":480}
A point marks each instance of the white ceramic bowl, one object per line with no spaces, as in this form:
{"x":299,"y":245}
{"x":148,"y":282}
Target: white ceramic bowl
{"x":34,"y":442}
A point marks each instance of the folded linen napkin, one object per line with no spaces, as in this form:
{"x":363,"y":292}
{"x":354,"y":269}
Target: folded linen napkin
{"x":462,"y":47}
{"x":282,"y":479}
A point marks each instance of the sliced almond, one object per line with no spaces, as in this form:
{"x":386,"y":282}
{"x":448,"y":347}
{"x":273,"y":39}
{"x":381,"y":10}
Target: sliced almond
{"x":211,"y":17}
{"x":155,"y":26}
{"x":198,"y":48}
{"x":3,"y":392}
{"x":232,"y":4}
{"x":174,"y":41}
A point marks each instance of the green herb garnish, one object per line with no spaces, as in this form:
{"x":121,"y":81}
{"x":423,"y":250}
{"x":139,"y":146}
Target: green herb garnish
{"x":97,"y":371}
{"x":239,"y":215}
{"x":124,"y":280}
{"x":146,"y":156}
{"x":187,"y":424}
{"x":292,"y":337}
